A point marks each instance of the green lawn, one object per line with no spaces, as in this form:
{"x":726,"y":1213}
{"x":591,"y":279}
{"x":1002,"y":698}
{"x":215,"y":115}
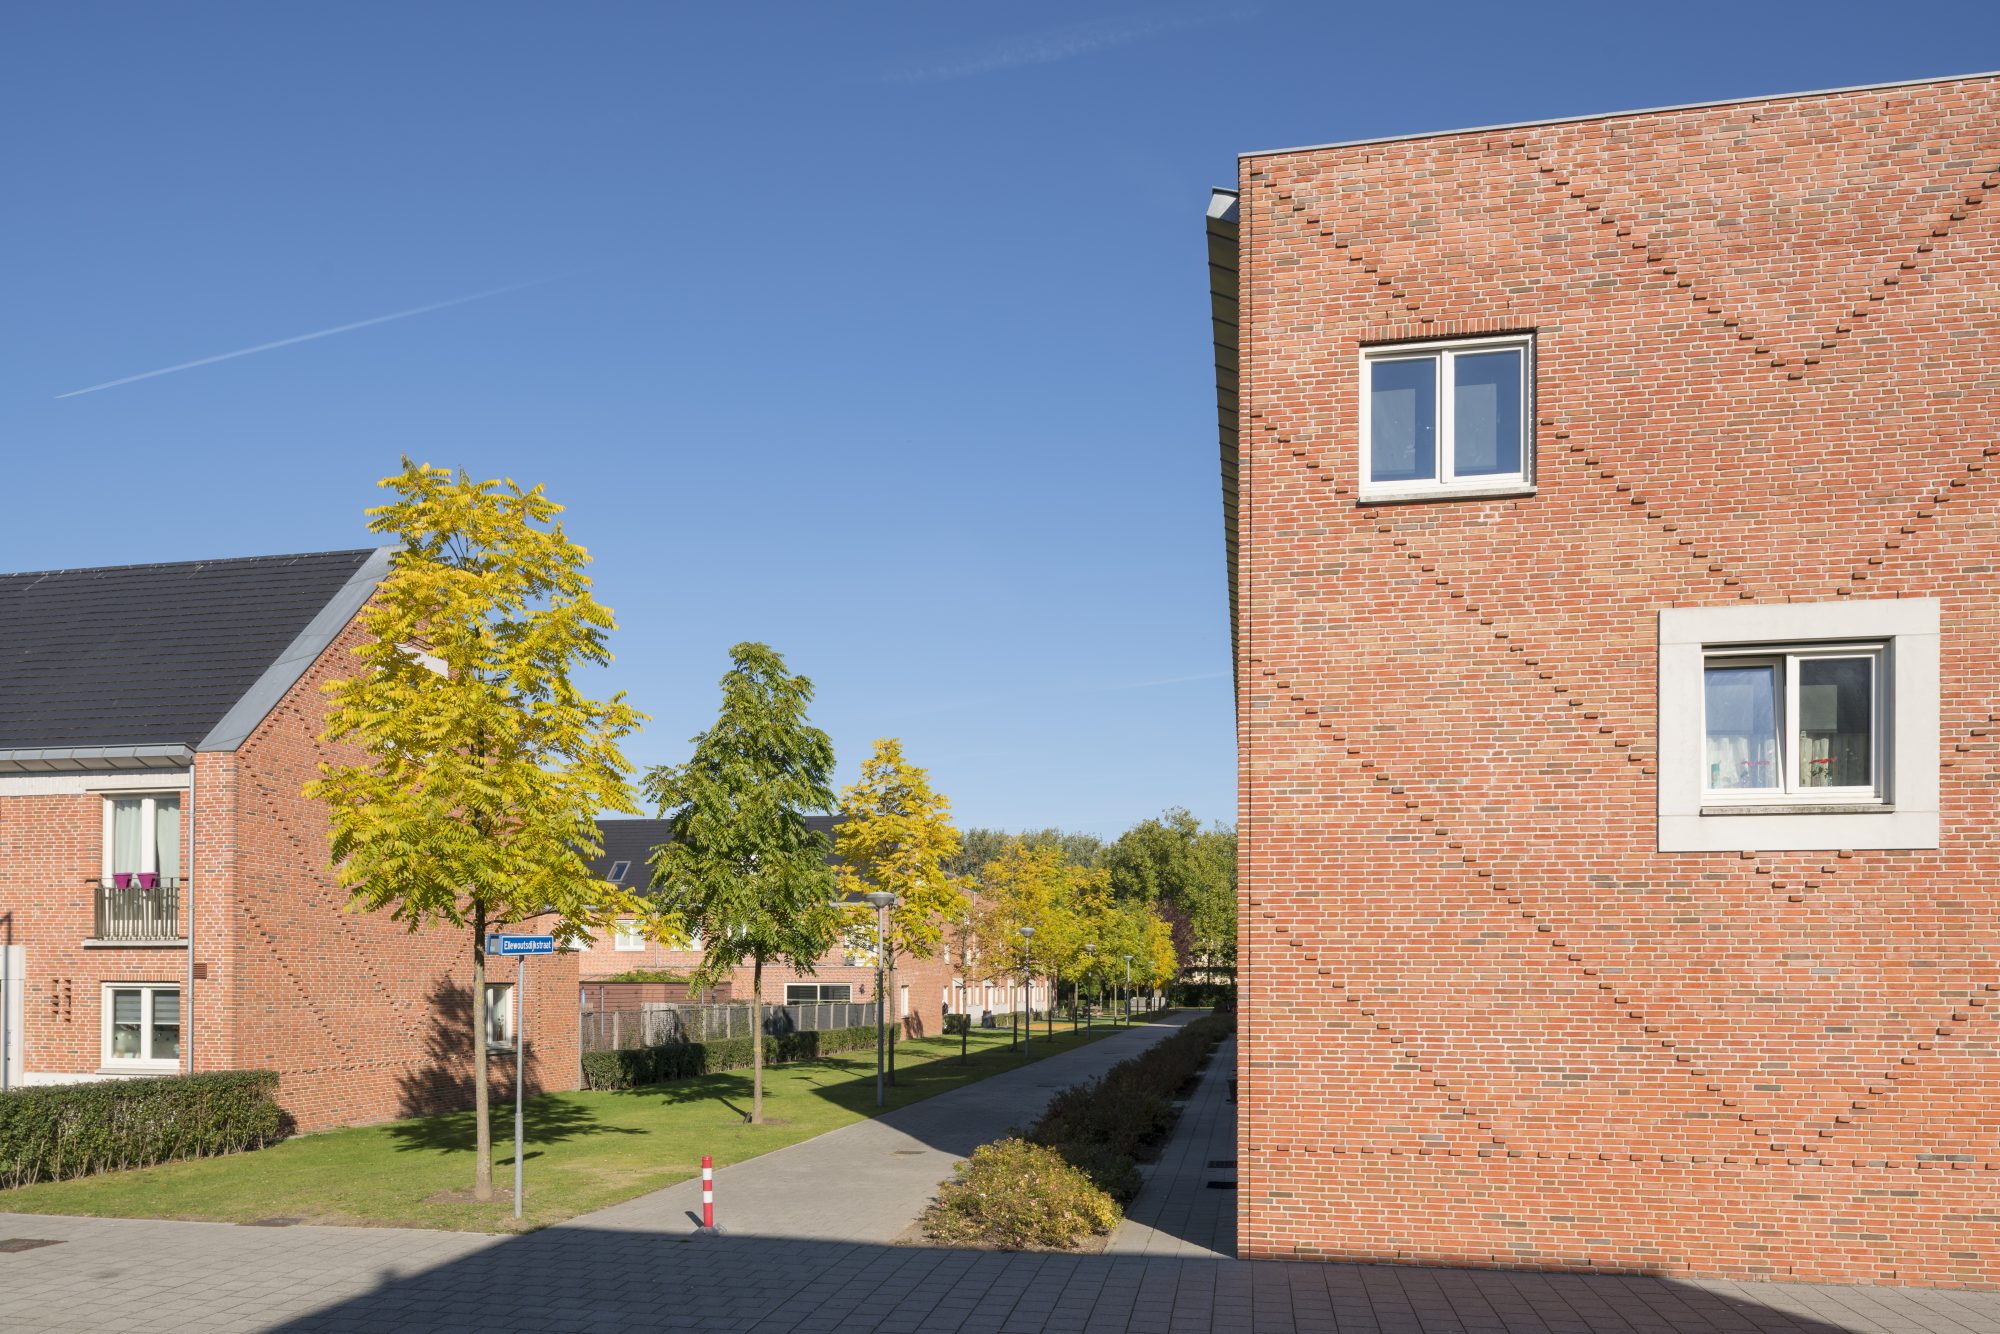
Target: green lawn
{"x":584,"y":1150}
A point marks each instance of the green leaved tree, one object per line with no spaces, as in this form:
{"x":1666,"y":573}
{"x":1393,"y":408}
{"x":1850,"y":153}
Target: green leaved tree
{"x":743,"y":871}
{"x":484,"y":765}
{"x":895,"y":836}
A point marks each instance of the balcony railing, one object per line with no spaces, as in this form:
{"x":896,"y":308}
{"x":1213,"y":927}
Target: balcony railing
{"x":139,"y":910}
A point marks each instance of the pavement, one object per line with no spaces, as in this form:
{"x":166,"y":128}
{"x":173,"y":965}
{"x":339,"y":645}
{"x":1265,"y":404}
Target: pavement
{"x":1187,"y":1207}
{"x":807,"y":1248}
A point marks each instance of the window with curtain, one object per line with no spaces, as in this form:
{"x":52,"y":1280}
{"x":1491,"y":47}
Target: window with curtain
{"x":1792,"y":723}
{"x":142,"y":1026}
{"x":146,"y":836}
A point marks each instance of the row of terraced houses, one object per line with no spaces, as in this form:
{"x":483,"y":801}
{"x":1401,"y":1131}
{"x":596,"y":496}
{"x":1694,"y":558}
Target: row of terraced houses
{"x":1612,"y":556}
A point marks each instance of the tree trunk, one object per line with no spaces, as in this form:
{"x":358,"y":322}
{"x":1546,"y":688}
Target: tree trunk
{"x":757,"y":1042}
{"x":482,"y":1135}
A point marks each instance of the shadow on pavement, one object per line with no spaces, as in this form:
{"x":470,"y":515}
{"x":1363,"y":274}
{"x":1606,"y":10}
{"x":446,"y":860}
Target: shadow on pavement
{"x":592,"y":1279}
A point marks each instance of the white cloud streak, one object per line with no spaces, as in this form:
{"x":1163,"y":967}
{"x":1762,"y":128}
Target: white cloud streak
{"x":1067,"y":42}
{"x":310,"y":337}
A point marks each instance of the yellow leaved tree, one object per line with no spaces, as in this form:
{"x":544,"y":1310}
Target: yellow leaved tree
{"x":895,"y":836}
{"x":484,"y":767}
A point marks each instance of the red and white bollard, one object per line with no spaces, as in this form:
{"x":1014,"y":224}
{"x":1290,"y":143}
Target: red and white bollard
{"x":707,"y":1192}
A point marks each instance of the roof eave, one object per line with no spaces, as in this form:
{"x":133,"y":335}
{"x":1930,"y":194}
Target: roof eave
{"x":95,"y":759}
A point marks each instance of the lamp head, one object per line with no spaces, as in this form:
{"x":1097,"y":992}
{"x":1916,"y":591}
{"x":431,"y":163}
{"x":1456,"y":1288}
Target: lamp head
{"x":881,"y":898}
{"x":1028,"y":931}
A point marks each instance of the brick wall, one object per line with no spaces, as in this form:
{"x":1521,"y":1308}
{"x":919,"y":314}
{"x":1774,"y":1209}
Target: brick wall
{"x":51,"y":849}
{"x":363,"y":1019}
{"x":1485,"y":1022}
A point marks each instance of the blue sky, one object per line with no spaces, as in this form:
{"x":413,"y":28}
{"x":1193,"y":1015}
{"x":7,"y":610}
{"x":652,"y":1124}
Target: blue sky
{"x":874,"y":331}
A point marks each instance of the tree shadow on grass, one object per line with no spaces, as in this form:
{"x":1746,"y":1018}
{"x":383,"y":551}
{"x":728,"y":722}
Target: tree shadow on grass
{"x":551,"y":1120}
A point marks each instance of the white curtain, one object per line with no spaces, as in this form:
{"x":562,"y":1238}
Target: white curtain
{"x":1833,"y":759}
{"x":167,"y":837}
{"x":126,"y":815}
{"x":1736,"y":761}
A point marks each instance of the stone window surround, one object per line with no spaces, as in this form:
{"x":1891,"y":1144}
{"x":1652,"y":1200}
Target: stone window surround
{"x":1908,"y":818}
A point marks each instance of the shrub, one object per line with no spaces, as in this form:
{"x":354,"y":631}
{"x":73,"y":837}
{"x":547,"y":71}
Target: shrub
{"x":54,"y":1132}
{"x":1103,"y":1127}
{"x":644,"y":975}
{"x":631,"y":1067}
{"x":1018,"y":1196}
{"x":954,"y":1024}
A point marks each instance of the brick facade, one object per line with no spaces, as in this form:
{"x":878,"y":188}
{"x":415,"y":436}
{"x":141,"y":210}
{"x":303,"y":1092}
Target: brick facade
{"x":363,"y":1020}
{"x":1485,"y":1021}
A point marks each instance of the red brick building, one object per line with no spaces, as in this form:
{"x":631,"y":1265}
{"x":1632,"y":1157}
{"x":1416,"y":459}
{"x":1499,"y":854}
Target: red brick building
{"x":166,"y":902}
{"x":925,"y":988}
{"x":1614,"y":546}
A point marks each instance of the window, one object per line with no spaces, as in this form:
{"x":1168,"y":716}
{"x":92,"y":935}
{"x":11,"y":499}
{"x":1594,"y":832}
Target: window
{"x":627,"y":936}
{"x":142,"y":1027}
{"x":142,"y":839}
{"x":1792,"y":724}
{"x":500,"y":1016}
{"x":1799,"y":726}
{"x":617,"y":873}
{"x":1447,"y":418}
{"x":806,"y":993}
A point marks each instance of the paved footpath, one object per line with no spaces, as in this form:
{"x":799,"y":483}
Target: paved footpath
{"x":806,"y":1251}
{"x":1188,"y":1205}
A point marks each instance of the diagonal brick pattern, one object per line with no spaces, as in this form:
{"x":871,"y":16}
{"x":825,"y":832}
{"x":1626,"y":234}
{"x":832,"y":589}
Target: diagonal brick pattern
{"x":1488,"y":1022}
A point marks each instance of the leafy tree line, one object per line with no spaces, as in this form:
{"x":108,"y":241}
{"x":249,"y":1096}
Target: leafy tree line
{"x":483,"y":768}
{"x":1184,"y":871}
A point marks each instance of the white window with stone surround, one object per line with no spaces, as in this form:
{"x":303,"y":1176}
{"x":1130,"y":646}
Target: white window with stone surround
{"x":1799,"y":726}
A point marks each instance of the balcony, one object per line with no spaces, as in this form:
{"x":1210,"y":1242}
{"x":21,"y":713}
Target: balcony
{"x":146,"y":908}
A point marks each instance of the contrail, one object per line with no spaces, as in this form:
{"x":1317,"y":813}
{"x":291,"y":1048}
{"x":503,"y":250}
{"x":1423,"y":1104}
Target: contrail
{"x":309,"y":337}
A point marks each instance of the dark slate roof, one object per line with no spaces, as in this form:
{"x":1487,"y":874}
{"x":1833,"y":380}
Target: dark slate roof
{"x":633,"y":841}
{"x":135,"y":655}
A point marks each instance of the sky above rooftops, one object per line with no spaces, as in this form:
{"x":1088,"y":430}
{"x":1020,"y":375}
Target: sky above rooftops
{"x":874,"y":331}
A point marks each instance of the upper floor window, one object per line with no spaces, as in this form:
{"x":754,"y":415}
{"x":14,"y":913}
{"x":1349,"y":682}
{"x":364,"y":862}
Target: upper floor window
{"x":142,"y":844}
{"x":616,"y":875}
{"x":805,"y":993}
{"x":1447,"y":418}
{"x":628,"y":936}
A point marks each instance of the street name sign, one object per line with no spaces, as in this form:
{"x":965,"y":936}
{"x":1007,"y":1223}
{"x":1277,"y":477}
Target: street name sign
{"x":509,"y":946}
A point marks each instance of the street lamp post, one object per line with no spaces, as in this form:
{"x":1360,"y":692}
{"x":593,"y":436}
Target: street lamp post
{"x":881,"y":901}
{"x":1028,"y":986}
{"x":1125,"y":1001}
{"x":1090,"y":952}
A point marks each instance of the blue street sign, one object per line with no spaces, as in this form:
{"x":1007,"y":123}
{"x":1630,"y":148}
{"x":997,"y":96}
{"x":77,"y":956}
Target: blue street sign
{"x":509,"y":946}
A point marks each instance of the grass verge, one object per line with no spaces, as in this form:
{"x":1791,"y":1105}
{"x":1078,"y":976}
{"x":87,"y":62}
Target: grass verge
{"x":584,"y":1151}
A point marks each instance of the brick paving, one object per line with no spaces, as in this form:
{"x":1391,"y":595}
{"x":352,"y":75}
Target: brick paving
{"x":640,"y":1266}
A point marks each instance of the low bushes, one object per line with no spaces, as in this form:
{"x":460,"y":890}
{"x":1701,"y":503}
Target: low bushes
{"x":1064,"y":1181}
{"x":1018,"y":1196}
{"x":54,"y":1132}
{"x":631,"y":1067}
{"x":1105,"y":1126}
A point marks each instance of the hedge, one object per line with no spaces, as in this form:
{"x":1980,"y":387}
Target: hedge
{"x":1104,"y":1127}
{"x":54,"y":1132}
{"x":631,"y":1067}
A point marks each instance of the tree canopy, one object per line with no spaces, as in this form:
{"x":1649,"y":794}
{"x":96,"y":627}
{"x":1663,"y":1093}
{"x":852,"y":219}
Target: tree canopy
{"x":483,"y":766}
{"x":743,"y":870}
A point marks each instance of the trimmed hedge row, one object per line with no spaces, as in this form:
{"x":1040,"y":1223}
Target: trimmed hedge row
{"x":632,"y":1067}
{"x":1105,"y":1126}
{"x":58,"y":1131}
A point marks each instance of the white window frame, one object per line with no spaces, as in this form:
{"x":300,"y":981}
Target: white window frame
{"x":616,"y":875}
{"x":1900,"y":807}
{"x":627,"y":937}
{"x":149,"y":815}
{"x":1785,"y":660}
{"x":146,"y":1063}
{"x":1447,"y":484}
{"x":499,"y":1016}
